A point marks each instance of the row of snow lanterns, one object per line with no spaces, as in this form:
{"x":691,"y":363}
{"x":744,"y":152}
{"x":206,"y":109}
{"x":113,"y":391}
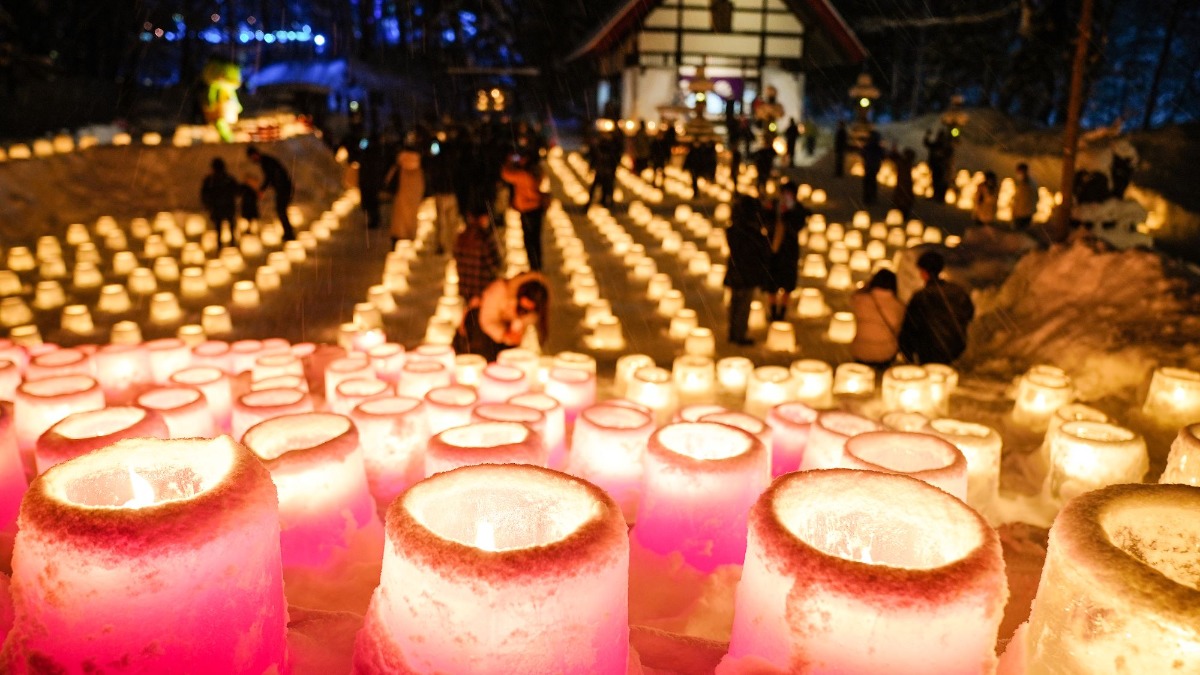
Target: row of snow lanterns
{"x":835,"y":526}
{"x":184,"y":135}
{"x":165,"y":243}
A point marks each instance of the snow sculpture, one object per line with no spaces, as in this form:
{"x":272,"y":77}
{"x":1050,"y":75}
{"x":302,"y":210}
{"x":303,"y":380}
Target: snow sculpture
{"x":393,"y":432}
{"x":79,"y":433}
{"x":166,"y":559}
{"x":700,"y":481}
{"x":500,"y":569}
{"x":1183,"y":464}
{"x":1103,"y":170}
{"x":827,"y":438}
{"x":1118,"y":589}
{"x":829,"y":553}
{"x":1086,"y":456}
{"x":608,"y":445}
{"x":483,"y":443}
{"x":921,"y":456}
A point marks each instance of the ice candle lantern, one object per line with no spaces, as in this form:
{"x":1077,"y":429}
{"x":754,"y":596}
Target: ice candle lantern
{"x":483,"y":443}
{"x":393,"y":432}
{"x":1118,"y":589}
{"x":921,"y":456}
{"x":1040,"y":392}
{"x":700,"y":480}
{"x":38,"y":405}
{"x":790,"y":426}
{"x":165,"y":558}
{"x":608,"y":447}
{"x":827,"y":438}
{"x":79,"y":433}
{"x":1174,"y":397}
{"x":829,"y":553}
{"x":497,"y":569}
{"x":981,"y":446}
{"x":1086,"y":456}
{"x":1183,"y":464}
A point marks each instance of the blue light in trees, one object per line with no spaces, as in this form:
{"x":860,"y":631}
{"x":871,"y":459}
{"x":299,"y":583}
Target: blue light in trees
{"x":448,"y":35}
{"x":319,"y":40}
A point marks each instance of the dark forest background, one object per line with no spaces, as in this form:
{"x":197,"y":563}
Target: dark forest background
{"x":67,"y":62}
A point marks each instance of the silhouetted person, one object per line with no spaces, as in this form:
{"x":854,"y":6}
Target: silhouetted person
{"x":792,"y":136}
{"x":748,"y":265}
{"x":872,"y":158}
{"x":219,"y":194}
{"x":841,"y":142}
{"x":903,"y":197}
{"x":935,"y":323}
{"x":275,"y":178}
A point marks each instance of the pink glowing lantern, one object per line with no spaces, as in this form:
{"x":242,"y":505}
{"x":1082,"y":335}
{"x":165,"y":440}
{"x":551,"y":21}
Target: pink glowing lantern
{"x":922,"y":456}
{"x":831,"y":552}
{"x":827,"y":438}
{"x":39,"y":405}
{"x":700,"y":480}
{"x":350,"y":393}
{"x":418,"y":377}
{"x":508,"y":412}
{"x":242,"y":355}
{"x":443,"y":354}
{"x":325,"y":506}
{"x":10,"y":379}
{"x":449,"y":406}
{"x":387,"y":359}
{"x":500,"y":383}
{"x":693,"y":412}
{"x":165,"y":558}
{"x":184,"y":410}
{"x":12,"y":489}
{"x":483,"y":443}
{"x":790,"y":424}
{"x":214,"y":384}
{"x":575,"y":388}
{"x":213,"y":353}
{"x":122,"y":370}
{"x":167,"y":357}
{"x":392,"y":432}
{"x":259,"y":406}
{"x":67,"y":361}
{"x":747,"y":423}
{"x":500,"y":569}
{"x":554,"y":431}
{"x":79,"y":433}
{"x":1118,"y":588}
{"x":608,"y":445}
{"x":346,"y":368}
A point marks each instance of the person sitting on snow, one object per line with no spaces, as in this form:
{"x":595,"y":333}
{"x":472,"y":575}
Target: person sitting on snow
{"x":935,"y":323}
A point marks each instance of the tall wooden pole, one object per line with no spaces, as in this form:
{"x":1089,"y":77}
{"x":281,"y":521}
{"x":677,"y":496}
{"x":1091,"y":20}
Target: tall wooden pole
{"x":1074,"y":109}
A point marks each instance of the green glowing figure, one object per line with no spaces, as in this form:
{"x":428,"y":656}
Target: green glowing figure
{"x":222,"y":106}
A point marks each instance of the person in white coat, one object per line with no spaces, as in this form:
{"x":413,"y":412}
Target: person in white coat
{"x":879,"y":315}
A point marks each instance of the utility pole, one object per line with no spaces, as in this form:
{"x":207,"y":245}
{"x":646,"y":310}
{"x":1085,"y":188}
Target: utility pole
{"x":1074,"y":109}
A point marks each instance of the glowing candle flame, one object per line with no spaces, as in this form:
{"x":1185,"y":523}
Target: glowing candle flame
{"x":485,"y":536}
{"x":143,"y":492}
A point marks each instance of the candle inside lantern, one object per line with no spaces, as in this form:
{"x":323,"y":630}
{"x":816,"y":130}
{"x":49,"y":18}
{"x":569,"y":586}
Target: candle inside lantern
{"x":829,"y":552}
{"x":842,"y":328}
{"x":623,"y":372}
{"x":1040,"y":392}
{"x":827,"y":438}
{"x":166,"y":559}
{"x":500,"y":569}
{"x":1118,"y":588}
{"x":38,"y":405}
{"x":1183,"y":464}
{"x":417,"y":378}
{"x":653,"y":388}
{"x":1174,"y":397}
{"x":922,"y":456}
{"x":699,"y":482}
{"x":574,"y":388}
{"x":80,"y":433}
{"x":483,"y":443}
{"x":393,"y":432}
{"x":122,"y":370}
{"x":1086,"y":456}
{"x":855,"y":379}
{"x":907,"y":389}
{"x":608,"y":444}
{"x":768,"y":387}
{"x":813,"y":379}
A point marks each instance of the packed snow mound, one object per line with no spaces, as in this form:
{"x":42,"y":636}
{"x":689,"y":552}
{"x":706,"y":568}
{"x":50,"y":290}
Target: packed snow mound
{"x":1108,"y":318}
{"x":42,"y":196}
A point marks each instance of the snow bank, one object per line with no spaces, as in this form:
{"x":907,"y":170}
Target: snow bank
{"x":1107,"y":318}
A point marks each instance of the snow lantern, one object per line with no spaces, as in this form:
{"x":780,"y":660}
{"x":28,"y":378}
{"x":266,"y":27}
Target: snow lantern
{"x":682,"y":323}
{"x":76,"y":319}
{"x":183,"y":409}
{"x":449,"y":406}
{"x":164,"y":308}
{"x":346,"y":368}
{"x":700,"y":342}
{"x":165,"y":558}
{"x":12,"y":489}
{"x":626,"y":366}
{"x":1086,"y":456}
{"x":827,"y":438}
{"x":733,"y":374}
{"x":553,"y":431}
{"x":981,"y":446}
{"x":830,"y":552}
{"x":80,"y":433}
{"x":122,"y":370}
{"x":695,"y":377}
{"x":351,"y":392}
{"x":943,"y":380}
{"x":1174,"y":397}
{"x":790,"y":424}
{"x":781,"y":337}
{"x":417,"y":377}
{"x":700,"y":480}
{"x":574,"y":388}
{"x":258,"y":406}
{"x":1118,"y":590}
{"x":907,"y":389}
{"x":500,"y":569}
{"x":214,"y":384}
{"x":325,"y":506}
{"x":65,"y":361}
{"x":607,"y":448}
{"x":855,"y":379}
{"x":49,"y":294}
{"x":1183,"y":464}
{"x":127,"y":333}
{"x":768,"y":387}
{"x":500,"y":382}
{"x":813,"y":380}
{"x":215,"y":320}
{"x":39,"y":404}
{"x":658,"y":286}
{"x":483,"y":443}
{"x":811,"y":304}
{"x":922,"y":456}
{"x":653,"y":388}
{"x":393,"y":432}
{"x":842,"y":328}
{"x":1041,"y":391}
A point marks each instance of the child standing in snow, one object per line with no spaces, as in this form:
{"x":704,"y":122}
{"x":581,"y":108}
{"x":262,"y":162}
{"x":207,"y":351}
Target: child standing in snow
{"x":219,"y":194}
{"x":249,"y":199}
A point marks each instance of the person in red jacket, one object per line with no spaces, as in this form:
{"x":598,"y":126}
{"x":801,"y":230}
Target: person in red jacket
{"x":527,"y":198}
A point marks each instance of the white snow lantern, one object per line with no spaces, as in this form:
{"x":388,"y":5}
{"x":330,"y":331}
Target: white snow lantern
{"x":854,"y":379}
{"x":694,"y":377}
{"x":77,"y":319}
{"x":214,"y":384}
{"x":1041,"y":391}
{"x":659,"y":284}
{"x":813,"y":380}
{"x":715,"y":279}
{"x":215,"y":320}
{"x":154,"y":543}
{"x":113,"y":299}
{"x":183,"y":409}
{"x":625,"y":367}
{"x":842,"y":328}
{"x":79,"y":433}
{"x":393,"y":432}
{"x":608,"y":446}
{"x":828,"y":435}
{"x":191,"y":333}
{"x":922,"y":456}
{"x":654,"y":389}
{"x":418,"y":377}
{"x":553,"y":429}
{"x":449,"y":406}
{"x":164,"y":308}
{"x":671,"y":302}
{"x":1174,"y":397}
{"x":500,"y":382}
{"x":733,"y":374}
{"x":483,"y":443}
{"x":349,"y":393}
{"x":1086,"y":456}
{"x":1117,"y":589}
{"x":86,"y":276}
{"x":700,"y":342}
{"x":259,"y":406}
{"x":781,"y":337}
{"x":122,"y":369}
{"x":829,"y":552}
{"x":982,"y":446}
{"x":768,"y":386}
{"x":573,"y":388}
{"x":14,"y":312}
{"x":39,"y":404}
{"x":818,"y":196}
{"x":907,"y":389}
{"x":814,"y":267}
{"x":682,"y":323}
{"x":700,"y":480}
{"x":525,"y":546}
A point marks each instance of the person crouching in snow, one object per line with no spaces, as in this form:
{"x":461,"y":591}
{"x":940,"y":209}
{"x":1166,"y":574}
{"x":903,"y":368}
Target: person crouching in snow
{"x":219,"y":194}
{"x":935,"y":323}
{"x":505,"y":309}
